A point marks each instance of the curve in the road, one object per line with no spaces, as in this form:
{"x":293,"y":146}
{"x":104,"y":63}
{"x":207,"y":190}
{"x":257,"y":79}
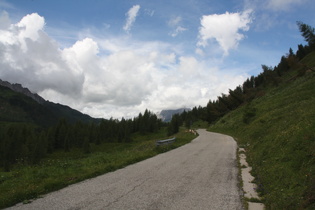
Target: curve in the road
{"x":199,"y":175}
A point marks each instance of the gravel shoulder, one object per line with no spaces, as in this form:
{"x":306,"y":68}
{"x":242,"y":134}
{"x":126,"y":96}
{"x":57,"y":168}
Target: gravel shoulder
{"x":200,"y":175}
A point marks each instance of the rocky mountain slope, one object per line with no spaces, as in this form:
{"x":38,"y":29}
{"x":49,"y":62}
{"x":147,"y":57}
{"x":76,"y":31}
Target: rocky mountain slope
{"x":19,"y":104}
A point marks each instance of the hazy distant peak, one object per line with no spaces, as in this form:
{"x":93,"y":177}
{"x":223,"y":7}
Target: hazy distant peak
{"x":166,"y":115}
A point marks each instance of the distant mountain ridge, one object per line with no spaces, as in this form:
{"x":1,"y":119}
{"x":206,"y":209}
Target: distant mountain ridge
{"x":20,"y":89}
{"x":166,"y":115}
{"x":19,"y":104}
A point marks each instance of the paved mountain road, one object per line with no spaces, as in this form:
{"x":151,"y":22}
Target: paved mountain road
{"x":199,"y":175}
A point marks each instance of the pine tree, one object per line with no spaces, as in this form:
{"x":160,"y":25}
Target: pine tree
{"x":174,"y":125}
{"x":236,"y":97}
{"x":291,"y":52}
{"x":308,"y":33}
{"x":37,"y":147}
{"x":212,"y":113}
{"x":60,"y":134}
{"x":5,"y":152}
{"x":67,"y":142}
{"x":301,"y":52}
{"x":50,"y":135}
{"x":86,"y":146}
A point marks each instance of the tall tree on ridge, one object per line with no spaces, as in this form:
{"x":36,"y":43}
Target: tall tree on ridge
{"x":308,"y":33}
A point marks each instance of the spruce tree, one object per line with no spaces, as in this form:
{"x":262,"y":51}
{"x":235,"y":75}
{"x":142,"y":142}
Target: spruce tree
{"x":86,"y":146}
{"x":308,"y":33}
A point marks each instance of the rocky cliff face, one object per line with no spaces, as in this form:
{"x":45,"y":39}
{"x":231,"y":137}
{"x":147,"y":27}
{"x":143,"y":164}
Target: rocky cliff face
{"x":18,"y":88}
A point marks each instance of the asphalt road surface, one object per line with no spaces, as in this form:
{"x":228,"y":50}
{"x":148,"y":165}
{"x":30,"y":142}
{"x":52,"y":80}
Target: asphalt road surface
{"x":199,"y":175}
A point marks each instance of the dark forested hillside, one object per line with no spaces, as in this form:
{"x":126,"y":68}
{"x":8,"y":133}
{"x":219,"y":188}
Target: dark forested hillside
{"x":17,"y":107}
{"x":20,"y":105}
{"x":30,"y":130}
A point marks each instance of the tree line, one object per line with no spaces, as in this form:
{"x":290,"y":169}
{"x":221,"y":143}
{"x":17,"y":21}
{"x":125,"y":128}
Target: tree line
{"x":28,"y":144}
{"x":254,"y":86}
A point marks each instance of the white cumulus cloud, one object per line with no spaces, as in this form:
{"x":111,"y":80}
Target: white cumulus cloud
{"x":30,"y":57}
{"x":224,"y":29}
{"x":130,"y":77}
{"x":131,"y":17}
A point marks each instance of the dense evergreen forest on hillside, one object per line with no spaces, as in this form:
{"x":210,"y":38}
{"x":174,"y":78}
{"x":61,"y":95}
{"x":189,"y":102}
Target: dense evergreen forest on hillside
{"x":28,"y":144}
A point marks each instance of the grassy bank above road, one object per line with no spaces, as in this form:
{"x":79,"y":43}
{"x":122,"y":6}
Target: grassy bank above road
{"x":64,"y":168}
{"x":278,"y":132}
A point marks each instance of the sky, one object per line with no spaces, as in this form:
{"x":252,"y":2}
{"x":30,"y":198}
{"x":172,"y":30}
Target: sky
{"x":116,"y":58}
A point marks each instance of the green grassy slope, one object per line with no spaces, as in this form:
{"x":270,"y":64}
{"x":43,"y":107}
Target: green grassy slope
{"x":278,"y":132}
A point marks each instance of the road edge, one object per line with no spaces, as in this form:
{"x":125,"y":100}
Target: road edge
{"x":250,"y":196}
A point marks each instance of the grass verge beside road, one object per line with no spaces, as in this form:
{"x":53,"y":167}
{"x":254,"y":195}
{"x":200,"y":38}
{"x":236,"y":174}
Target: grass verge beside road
{"x":61,"y":169}
{"x":277,"y":131}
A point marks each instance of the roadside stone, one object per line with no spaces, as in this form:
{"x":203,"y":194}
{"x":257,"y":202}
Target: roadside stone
{"x":248,"y":185}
